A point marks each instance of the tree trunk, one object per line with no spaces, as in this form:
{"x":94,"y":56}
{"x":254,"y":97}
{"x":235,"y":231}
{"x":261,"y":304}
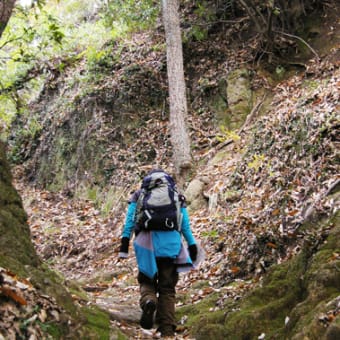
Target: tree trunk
{"x":6,"y":7}
{"x":177,"y":91}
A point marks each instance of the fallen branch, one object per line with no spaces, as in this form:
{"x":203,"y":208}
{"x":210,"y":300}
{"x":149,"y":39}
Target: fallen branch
{"x":252,"y":114}
{"x":223,"y":22}
{"x":250,"y":11}
{"x":224,"y":144}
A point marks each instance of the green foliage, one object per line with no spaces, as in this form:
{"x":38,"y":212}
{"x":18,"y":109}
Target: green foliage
{"x":199,"y":28}
{"x":204,"y":11}
{"x":98,"y":59}
{"x":198,"y":33}
{"x":211,"y":233}
{"x":7,"y":111}
{"x":130,"y":14}
{"x":47,"y":34}
{"x":37,"y":35}
{"x":227,"y":134}
{"x":28,"y":38}
{"x":33,"y":128}
{"x":257,"y":162}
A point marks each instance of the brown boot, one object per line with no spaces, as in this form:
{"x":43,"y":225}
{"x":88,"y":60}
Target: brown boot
{"x":146,"y":320}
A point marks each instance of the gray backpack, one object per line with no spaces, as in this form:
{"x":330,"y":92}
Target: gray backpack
{"x":158,"y":206}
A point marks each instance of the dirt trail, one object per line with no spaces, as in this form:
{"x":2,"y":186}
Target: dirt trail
{"x":77,"y":241}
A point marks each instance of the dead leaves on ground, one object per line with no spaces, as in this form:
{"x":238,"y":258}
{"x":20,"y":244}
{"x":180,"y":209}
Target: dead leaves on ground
{"x":24,"y":312}
{"x":276,"y":178}
{"x":288,"y":169}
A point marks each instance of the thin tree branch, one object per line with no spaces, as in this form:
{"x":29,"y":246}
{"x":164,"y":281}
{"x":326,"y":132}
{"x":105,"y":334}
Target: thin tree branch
{"x":249,"y":119}
{"x":223,"y":22}
{"x":10,"y":41}
{"x":252,"y":114}
{"x":300,"y":39}
{"x":251,"y":15}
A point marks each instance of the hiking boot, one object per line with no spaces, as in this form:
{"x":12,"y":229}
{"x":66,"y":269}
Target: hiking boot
{"x":166,"y":331}
{"x":146,"y":320}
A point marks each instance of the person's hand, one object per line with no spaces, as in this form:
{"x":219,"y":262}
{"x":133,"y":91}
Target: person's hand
{"x":124,"y":248}
{"x":193,"y":252}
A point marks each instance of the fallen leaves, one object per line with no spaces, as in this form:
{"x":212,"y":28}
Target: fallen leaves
{"x":298,"y":145}
{"x":24,"y":312}
{"x":260,"y":193}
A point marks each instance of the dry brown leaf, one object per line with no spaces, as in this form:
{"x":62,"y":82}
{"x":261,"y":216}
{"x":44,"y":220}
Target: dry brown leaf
{"x":8,"y":292}
{"x":272,"y":245}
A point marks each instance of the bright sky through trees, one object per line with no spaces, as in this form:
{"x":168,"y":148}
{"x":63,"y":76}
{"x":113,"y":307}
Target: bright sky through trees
{"x":25,"y":2}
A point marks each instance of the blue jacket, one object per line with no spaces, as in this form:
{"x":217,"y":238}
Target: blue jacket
{"x":150,"y":245}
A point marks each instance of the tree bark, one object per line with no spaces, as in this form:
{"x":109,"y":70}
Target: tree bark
{"x":177,"y":90}
{"x":6,"y":7}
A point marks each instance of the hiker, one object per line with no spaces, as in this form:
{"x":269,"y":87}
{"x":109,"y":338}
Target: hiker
{"x":158,"y":216}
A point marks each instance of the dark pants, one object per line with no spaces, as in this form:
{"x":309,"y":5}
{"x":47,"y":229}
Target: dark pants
{"x":162,"y":291}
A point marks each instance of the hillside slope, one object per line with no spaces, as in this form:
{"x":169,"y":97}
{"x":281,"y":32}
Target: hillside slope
{"x":263,"y":198}
{"x":261,"y":213}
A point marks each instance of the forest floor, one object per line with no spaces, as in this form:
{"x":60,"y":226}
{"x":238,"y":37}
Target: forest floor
{"x":77,"y":241}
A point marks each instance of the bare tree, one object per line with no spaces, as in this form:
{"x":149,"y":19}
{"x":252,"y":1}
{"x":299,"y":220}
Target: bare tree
{"x":177,"y":91}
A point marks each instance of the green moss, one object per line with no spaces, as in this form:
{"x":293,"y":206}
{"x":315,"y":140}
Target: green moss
{"x":98,"y":323}
{"x":13,"y":265}
{"x":15,"y":234}
{"x":74,"y":289}
{"x":198,"y":314}
{"x":53,"y":329}
{"x":302,"y":289}
{"x":200,"y":284}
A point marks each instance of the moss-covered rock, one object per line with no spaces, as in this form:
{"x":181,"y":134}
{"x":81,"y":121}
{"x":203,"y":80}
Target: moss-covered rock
{"x":233,"y":102}
{"x":239,"y":94}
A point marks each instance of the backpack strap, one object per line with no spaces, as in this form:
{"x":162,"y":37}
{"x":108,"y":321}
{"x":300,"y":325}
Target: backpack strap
{"x":139,"y":201}
{"x":181,"y":203}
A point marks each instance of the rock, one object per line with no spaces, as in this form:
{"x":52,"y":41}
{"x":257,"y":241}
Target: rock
{"x":239,"y":95}
{"x":122,"y":309}
{"x":194,"y":194}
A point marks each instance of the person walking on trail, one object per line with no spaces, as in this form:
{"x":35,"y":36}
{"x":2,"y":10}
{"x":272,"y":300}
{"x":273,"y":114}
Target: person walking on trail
{"x":158,"y":216}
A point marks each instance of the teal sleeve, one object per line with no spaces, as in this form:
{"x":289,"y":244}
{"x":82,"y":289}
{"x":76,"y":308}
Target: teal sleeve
{"x":186,"y":230}
{"x":129,"y":220}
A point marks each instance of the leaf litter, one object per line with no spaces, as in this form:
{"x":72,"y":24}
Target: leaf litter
{"x":283,"y":173}
{"x":24,"y":311}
